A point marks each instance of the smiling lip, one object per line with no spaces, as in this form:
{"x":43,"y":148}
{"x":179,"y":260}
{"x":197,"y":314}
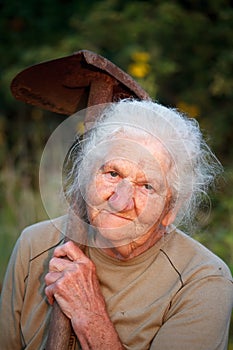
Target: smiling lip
{"x":117,"y":215}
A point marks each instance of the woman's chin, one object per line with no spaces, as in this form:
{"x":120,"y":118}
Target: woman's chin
{"x":120,"y":235}
{"x":112,"y":237}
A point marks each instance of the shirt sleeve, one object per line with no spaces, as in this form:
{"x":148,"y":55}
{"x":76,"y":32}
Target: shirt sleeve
{"x":198,"y":317}
{"x":11,"y":301}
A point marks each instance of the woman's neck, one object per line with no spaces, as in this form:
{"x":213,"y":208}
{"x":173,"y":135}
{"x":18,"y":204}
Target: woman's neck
{"x":132,"y":249}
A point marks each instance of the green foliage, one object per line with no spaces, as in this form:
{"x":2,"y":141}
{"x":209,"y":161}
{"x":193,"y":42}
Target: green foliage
{"x":189,"y":44}
{"x":216,"y":232}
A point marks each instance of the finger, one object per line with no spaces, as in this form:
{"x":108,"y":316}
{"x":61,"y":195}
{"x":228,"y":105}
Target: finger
{"x":70,"y":250}
{"x":52,"y":277}
{"x":49,"y":294}
{"x":59,"y":264}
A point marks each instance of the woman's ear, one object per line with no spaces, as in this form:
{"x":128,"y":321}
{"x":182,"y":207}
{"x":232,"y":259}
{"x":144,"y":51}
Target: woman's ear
{"x":169,"y":218}
{"x":172,"y":210}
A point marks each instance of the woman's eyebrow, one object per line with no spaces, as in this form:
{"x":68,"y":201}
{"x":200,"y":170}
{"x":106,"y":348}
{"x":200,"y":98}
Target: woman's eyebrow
{"x":109,"y":165}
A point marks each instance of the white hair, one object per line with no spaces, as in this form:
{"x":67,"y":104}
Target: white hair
{"x":194,"y":166}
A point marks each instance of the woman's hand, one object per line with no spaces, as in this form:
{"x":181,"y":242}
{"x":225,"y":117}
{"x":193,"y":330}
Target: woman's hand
{"x":73,"y":282}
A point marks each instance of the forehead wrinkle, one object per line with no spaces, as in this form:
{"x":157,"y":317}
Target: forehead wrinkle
{"x":125,"y":167}
{"x":156,"y":171}
{"x":148,"y":153}
{"x":151,"y":167}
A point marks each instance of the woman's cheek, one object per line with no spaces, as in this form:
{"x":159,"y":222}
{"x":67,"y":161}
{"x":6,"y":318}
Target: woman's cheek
{"x":149,"y":208}
{"x":98,"y":192}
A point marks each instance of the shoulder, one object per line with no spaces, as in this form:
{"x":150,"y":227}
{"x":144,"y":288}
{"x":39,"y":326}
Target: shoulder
{"x":192,"y":259}
{"x":42,"y":236}
{"x":200,"y":295}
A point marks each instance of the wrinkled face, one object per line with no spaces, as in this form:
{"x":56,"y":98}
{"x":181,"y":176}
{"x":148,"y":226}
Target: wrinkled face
{"x":127,"y":196}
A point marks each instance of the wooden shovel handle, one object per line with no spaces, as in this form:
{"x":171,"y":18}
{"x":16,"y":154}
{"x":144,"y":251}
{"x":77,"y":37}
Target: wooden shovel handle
{"x":59,"y":330}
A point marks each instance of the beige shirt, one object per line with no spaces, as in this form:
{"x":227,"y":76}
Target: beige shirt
{"x":177,"y":295}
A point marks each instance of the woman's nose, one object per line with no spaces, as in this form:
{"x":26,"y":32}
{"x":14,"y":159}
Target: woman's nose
{"x":122,"y":198}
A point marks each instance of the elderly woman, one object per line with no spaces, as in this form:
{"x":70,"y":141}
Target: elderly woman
{"x":139,"y":283}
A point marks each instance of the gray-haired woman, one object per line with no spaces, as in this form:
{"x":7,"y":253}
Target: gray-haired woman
{"x":133,"y":178}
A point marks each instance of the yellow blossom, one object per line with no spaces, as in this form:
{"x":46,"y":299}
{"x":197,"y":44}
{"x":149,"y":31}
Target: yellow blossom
{"x":139,"y":69}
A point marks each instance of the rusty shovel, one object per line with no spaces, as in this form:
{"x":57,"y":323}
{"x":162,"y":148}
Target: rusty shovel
{"x":67,"y":85}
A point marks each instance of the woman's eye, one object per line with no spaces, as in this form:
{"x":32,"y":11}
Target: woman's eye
{"x":148,"y":187}
{"x":113,"y":173}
